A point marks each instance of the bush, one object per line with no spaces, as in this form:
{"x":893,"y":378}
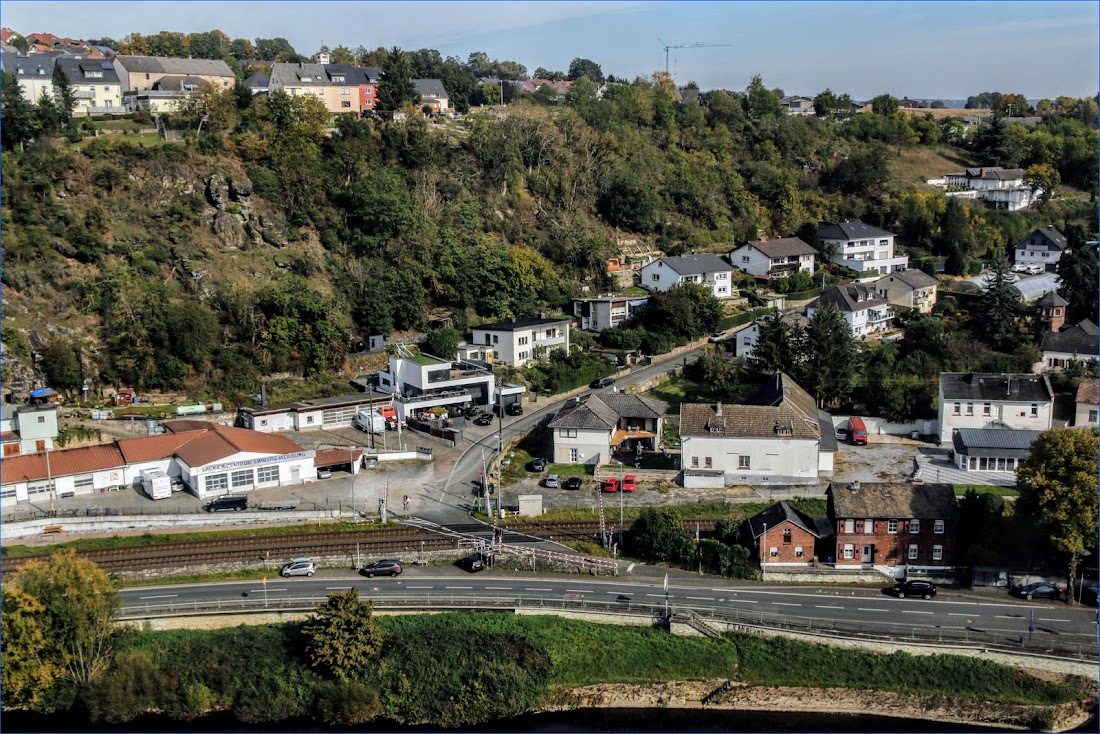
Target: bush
{"x":346,"y":703}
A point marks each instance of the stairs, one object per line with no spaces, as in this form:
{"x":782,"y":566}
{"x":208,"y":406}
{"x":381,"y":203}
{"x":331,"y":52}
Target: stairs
{"x":693,"y":620}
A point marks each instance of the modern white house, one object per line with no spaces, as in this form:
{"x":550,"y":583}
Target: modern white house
{"x":314,"y":414}
{"x":27,"y":429}
{"x":745,"y":340}
{"x":992,"y":449}
{"x":589,"y":429}
{"x":1085,"y":409}
{"x":911,"y":288}
{"x":990,"y":400}
{"x":423,"y":381}
{"x":1044,"y":246}
{"x":864,"y":308}
{"x":597,"y":314}
{"x":774,"y":258}
{"x":517,"y":341}
{"x":861,"y":247}
{"x":707,"y":270}
{"x":1002,"y":188}
{"x":778,"y":437}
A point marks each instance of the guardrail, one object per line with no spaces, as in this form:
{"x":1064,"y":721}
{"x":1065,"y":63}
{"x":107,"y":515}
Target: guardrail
{"x":740,"y":620}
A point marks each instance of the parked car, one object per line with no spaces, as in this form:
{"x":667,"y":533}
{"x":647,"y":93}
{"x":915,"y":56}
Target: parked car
{"x":552,"y":482}
{"x":382,"y":568}
{"x":178,"y":485}
{"x":1020,"y":267}
{"x":1040,"y":590}
{"x":573,"y":483}
{"x":298,"y":567}
{"x":324,"y":473}
{"x":485,"y":419}
{"x":628,"y":483}
{"x":602,"y":382}
{"x":537,"y":465}
{"x":227,"y":504}
{"x":514,"y":409}
{"x":1036,"y":269}
{"x":611,"y":485}
{"x":1089,"y":594}
{"x":924,"y":589}
{"x":473,"y":563}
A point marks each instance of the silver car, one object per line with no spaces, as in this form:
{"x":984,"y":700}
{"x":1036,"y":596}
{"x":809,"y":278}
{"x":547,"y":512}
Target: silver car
{"x":298,"y":567}
{"x":552,"y":481}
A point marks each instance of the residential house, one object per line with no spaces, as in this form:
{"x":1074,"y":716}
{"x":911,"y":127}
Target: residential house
{"x":141,"y":73}
{"x":258,"y":82}
{"x":516,"y":342}
{"x":779,"y":436}
{"x":95,"y":85}
{"x":861,"y":247}
{"x":910,"y":526}
{"x":6,"y":34}
{"x":984,"y":400}
{"x":1076,"y":343}
{"x":28,"y":429}
{"x":798,"y":105}
{"x":1002,"y":188}
{"x":709,"y":271}
{"x":864,"y":308}
{"x":782,"y":536}
{"x":909,"y":289}
{"x":369,"y":78}
{"x":432,"y":95}
{"x":597,"y":314}
{"x":337,"y":86}
{"x":1052,"y":312}
{"x":1044,"y":246}
{"x":908,"y":104}
{"x":745,"y":340}
{"x":420,"y":382}
{"x":774,"y":258}
{"x":34,"y":73}
{"x":992,"y":449}
{"x":1086,"y":405}
{"x":166,"y":94}
{"x":588,"y":429}
{"x":314,"y":414}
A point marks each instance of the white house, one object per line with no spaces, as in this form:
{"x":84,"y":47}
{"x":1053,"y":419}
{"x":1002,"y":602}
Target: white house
{"x":709,"y":271}
{"x":34,"y":73}
{"x":310,"y":415}
{"x":865,"y":309}
{"x":597,"y":314}
{"x":992,"y":449}
{"x":587,"y":430}
{"x":516,"y":342}
{"x":1001,"y":187}
{"x":798,"y":105}
{"x":778,"y":437}
{"x":1074,"y":343}
{"x":95,"y":85}
{"x":745,"y":340}
{"x":1086,"y":405}
{"x":28,"y":429}
{"x":774,"y":258}
{"x":422,"y":381}
{"x":1043,"y":247}
{"x":975,"y":400}
{"x":861,"y":247}
{"x":909,"y":289}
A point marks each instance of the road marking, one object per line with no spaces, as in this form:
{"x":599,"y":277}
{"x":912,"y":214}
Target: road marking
{"x":957,"y":614}
{"x":581,"y":591}
{"x":159,"y":596}
{"x":499,"y":588}
{"x":620,"y":593}
{"x":1009,"y":616}
{"x":458,"y":587}
{"x":744,"y":601}
{"x":1045,"y":619}
{"x":657,"y":595}
{"x":419,"y":587}
{"x":701,"y":598}
{"x":260,"y":591}
{"x":530,"y":589}
{"x":865,"y":609}
{"x":630,"y":568}
{"x":826,"y":606}
{"x":340,"y":588}
{"x":785,"y":604}
{"x":910,"y":611}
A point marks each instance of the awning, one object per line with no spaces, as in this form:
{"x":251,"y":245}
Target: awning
{"x":619,"y":436}
{"x":326,"y":458}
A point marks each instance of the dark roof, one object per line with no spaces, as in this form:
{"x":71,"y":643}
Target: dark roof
{"x":257,"y":80}
{"x":1086,"y":391}
{"x":602,"y":412}
{"x":783,"y":247}
{"x":850,"y":231}
{"x":697,"y":264}
{"x":852,"y":297}
{"x":777,"y":514}
{"x":75,"y":69}
{"x":1009,"y":443}
{"x":893,"y":500}
{"x":828,"y":432}
{"x":23,"y":67}
{"x":429,"y":87}
{"x":1052,"y":299}
{"x":179,"y":67}
{"x":913,"y":278}
{"x":1077,"y":339}
{"x":995,"y":173}
{"x":770,"y":413}
{"x":177,"y":83}
{"x":517,"y":324}
{"x":285,"y":74}
{"x":1048,"y":234}
{"x":1025,"y":388}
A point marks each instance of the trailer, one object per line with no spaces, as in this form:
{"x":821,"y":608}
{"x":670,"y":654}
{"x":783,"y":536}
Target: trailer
{"x":156,"y":484}
{"x":370,"y":421}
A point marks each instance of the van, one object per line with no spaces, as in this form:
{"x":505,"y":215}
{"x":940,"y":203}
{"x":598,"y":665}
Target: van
{"x":857,"y":431}
{"x":602,"y":382}
{"x":227,"y":504}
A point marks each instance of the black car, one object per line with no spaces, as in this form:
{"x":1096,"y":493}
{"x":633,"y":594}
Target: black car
{"x":473,"y":563}
{"x":572,"y":483}
{"x":227,"y":504}
{"x":381,"y":568}
{"x":514,"y":409}
{"x":537,"y":465}
{"x":1040,"y":590}
{"x":924,"y":589}
{"x":602,"y":382}
{"x":485,"y":419}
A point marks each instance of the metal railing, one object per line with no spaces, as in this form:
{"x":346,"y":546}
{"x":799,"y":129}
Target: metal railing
{"x":740,"y":620}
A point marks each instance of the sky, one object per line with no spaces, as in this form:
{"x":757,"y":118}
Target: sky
{"x":949,"y":49}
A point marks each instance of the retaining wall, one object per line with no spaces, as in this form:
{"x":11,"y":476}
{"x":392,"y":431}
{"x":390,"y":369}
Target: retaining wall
{"x":141,"y":522}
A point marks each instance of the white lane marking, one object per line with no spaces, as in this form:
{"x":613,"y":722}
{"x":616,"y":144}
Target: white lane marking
{"x":700,"y":598}
{"x":1045,"y":619}
{"x":630,"y":568}
{"x":419,"y":587}
{"x":159,"y":596}
{"x":1009,"y":616}
{"x":620,"y":593}
{"x":499,"y":588}
{"x":530,"y":589}
{"x":910,"y":611}
{"x":826,"y":606}
{"x":958,"y":614}
{"x":865,"y":609}
{"x":743,"y":601}
{"x":580,"y":591}
{"x":657,"y":595}
{"x":785,"y":604}
{"x":260,"y":591}
{"x":458,"y":587}
{"x":341,"y":588}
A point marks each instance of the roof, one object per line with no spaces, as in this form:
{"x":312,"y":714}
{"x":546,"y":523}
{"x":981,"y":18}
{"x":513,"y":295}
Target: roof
{"x":223,"y":441}
{"x":75,"y":69}
{"x":696,"y":264}
{"x":177,"y":83}
{"x":850,"y":231}
{"x":1086,"y":391}
{"x":852,"y":297}
{"x":783,"y":247}
{"x":828,"y":432}
{"x":429,"y":87}
{"x":257,"y":80}
{"x":1077,"y":339}
{"x":187,"y":424}
{"x":995,"y":173}
{"x":776,"y":515}
{"x":782,"y":410}
{"x":61,"y":463}
{"x":913,"y":278}
{"x":271,"y":409}
{"x":1005,"y":442}
{"x":179,"y":67}
{"x":151,"y":448}
{"x":518,"y":324}
{"x":602,"y":412}
{"x":1052,"y":299}
{"x":39,"y":65}
{"x":8,"y":436}
{"x":1050,"y":234}
{"x":1023,"y":388}
{"x":893,"y":500}
{"x":334,"y":457}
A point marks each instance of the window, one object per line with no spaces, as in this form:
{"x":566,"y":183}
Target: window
{"x":217,"y":483}
{"x":849,"y":551}
{"x":84,"y":481}
{"x":574,"y":456}
{"x":7,"y":494}
{"x":913,"y":552}
{"x":567,"y":433}
{"x":849,"y":525}
{"x":345,"y":91}
{"x":891,"y":526}
{"x":798,"y":551}
{"x":263,"y":422}
{"x":1092,"y":416}
{"x":39,"y":445}
{"x":267,"y":475}
{"x":708,"y":463}
{"x":744,"y":258}
{"x":496,"y":338}
{"x":695,"y":462}
{"x":722,"y":289}
{"x":522,"y":340}
{"x":773,"y":552}
{"x":914,"y":526}
{"x":937,"y":553}
{"x":786,"y":536}
{"x":345,"y":104}
{"x":309,"y":419}
{"x":41,"y":419}
{"x":242,"y":478}
{"x":958,"y":408}
{"x":656,"y":276}
{"x":937,"y":527}
{"x":744,"y":462}
{"x":970,"y":408}
{"x":721,"y":276}
{"x":1034,"y":410}
{"x":986,"y":408}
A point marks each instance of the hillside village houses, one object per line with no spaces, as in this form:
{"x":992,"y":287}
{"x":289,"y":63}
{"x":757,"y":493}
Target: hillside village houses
{"x":861,"y":247}
{"x":1077,"y":343}
{"x":34,"y":73}
{"x":95,"y":84}
{"x":343,"y":89}
{"x":777,"y":258}
{"x":26,"y":429}
{"x":707,"y":270}
{"x":597,"y":314}
{"x":910,"y":288}
{"x":592,"y":428}
{"x":746,"y":339}
{"x":517,"y":341}
{"x":432,"y":95}
{"x":1044,"y":246}
{"x":864,"y":308}
{"x":998,"y":401}
{"x":1001,"y":187}
{"x":419,"y":382}
{"x":1085,"y":407}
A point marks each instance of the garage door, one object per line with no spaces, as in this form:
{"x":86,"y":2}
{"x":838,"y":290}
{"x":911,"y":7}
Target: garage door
{"x":338,"y":416}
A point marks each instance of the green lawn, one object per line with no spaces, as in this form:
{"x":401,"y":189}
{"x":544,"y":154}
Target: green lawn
{"x":424,"y":360}
{"x":678,"y":389}
{"x":960,"y":490}
{"x":634,"y":290}
{"x":145,"y":140}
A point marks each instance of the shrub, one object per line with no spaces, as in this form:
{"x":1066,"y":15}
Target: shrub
{"x":346,"y":703}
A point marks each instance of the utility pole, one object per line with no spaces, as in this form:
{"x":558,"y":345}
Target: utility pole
{"x":621,"y":493}
{"x":763,"y":543}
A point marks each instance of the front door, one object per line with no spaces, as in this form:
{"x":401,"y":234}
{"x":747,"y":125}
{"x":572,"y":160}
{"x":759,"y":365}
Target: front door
{"x":867,"y":553}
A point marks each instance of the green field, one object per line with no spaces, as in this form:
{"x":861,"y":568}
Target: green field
{"x":678,"y":389}
{"x":960,"y":490}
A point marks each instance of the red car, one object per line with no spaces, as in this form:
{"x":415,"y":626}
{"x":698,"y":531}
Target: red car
{"x":611,"y":485}
{"x":628,"y":483}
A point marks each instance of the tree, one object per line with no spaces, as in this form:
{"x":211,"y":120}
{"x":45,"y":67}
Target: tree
{"x":658,"y":535}
{"x":27,"y":669}
{"x":1058,"y":488}
{"x":830,"y":340}
{"x":1000,"y":303}
{"x":862,"y":174}
{"x":396,"y":87}
{"x":554,"y":76}
{"x":20,"y":43}
{"x":1042,"y":177}
{"x":585,"y":67}
{"x":61,"y":363}
{"x":273,"y":49}
{"x":937,"y":104}
{"x":343,"y":638}
{"x":826,"y":104}
{"x":778,"y":348}
{"x":64,"y":98}
{"x":443,"y":342}
{"x":885,"y":105}
{"x":80,"y":606}
{"x":1078,"y":272}
{"x":20,"y":122}
{"x":761,"y":101}
{"x":954,"y":237}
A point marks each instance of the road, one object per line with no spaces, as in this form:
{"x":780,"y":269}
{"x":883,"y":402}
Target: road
{"x":871,"y":610}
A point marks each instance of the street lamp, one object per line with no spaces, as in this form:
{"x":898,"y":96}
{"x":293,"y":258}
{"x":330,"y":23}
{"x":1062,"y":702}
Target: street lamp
{"x":763,"y":544}
{"x":621,"y":493}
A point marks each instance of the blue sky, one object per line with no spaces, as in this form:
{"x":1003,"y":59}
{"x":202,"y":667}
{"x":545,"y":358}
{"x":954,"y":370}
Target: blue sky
{"x":945,"y":49}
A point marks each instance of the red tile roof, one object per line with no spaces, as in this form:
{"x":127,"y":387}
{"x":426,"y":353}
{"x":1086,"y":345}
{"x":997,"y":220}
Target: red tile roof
{"x":224,"y":441}
{"x":8,"y":437}
{"x":61,"y":463}
{"x":151,"y":448}
{"x":6,"y":34}
{"x":334,"y":457}
{"x":186,"y":424}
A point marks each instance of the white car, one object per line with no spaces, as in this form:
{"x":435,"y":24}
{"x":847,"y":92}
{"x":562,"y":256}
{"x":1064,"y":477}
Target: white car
{"x":324,"y":473}
{"x":1020,"y":267}
{"x":1036,"y":269}
{"x":552,"y":481}
{"x":298,"y":567}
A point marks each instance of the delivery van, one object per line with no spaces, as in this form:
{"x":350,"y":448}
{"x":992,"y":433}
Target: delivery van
{"x":857,"y":431}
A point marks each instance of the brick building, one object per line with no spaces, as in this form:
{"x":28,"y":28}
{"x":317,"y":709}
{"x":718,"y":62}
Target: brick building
{"x":893,"y":525}
{"x":782,"y":536}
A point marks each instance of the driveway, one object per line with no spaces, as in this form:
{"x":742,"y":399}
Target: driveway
{"x":883,"y":459}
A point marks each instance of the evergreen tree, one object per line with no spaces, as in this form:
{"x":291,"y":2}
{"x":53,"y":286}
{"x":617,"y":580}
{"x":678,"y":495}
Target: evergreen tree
{"x":20,"y":121}
{"x":396,"y":87}
{"x":48,"y":114}
{"x":830,"y":340}
{"x":1000,"y":303}
{"x":64,"y":98}
{"x":778,"y":348}
{"x":1077,"y":271}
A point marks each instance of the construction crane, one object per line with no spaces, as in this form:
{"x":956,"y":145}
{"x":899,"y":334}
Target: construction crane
{"x":667,"y":46}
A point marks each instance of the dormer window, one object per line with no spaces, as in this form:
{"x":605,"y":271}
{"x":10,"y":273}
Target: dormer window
{"x":338,"y":79}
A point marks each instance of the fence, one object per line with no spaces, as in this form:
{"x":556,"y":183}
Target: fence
{"x":876,"y":425}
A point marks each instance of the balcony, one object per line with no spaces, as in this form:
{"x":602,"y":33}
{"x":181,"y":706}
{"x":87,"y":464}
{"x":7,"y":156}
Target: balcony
{"x":438,"y":397}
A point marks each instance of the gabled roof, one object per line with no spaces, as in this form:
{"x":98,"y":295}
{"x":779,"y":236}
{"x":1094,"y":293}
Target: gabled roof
{"x":178,"y":67}
{"x":783,"y":411}
{"x":182,"y":425}
{"x":783,"y":247}
{"x":429,"y":87}
{"x":989,"y":387}
{"x":1086,"y":391}
{"x":334,"y":457}
{"x":1051,"y":235}
{"x":995,"y":173}
{"x":257,"y":80}
{"x":893,"y":501}
{"x":1052,"y":299}
{"x":223,"y":441}
{"x":602,"y":412}
{"x":518,"y":324}
{"x":633,"y":406}
{"x":1078,"y":339}
{"x":177,"y":83}
{"x":912,"y":277}
{"x":24,"y":67}
{"x":76,"y":69}
{"x":61,"y":463}
{"x":151,"y":448}
{"x":851,"y":297}
{"x":1006,"y":442}
{"x":696,"y":264}
{"x":850,"y":231}
{"x":772,"y":517}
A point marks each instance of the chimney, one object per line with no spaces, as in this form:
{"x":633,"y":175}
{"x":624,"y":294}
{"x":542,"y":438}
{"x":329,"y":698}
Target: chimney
{"x":718,"y":410}
{"x":854,"y":486}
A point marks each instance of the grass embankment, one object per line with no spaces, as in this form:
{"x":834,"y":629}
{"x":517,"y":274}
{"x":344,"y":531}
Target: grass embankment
{"x":679,"y":389}
{"x":961,"y":489}
{"x":716,"y":510}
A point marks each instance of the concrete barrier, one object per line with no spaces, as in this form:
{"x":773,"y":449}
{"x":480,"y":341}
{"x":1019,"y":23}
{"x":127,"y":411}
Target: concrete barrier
{"x":140,"y":522}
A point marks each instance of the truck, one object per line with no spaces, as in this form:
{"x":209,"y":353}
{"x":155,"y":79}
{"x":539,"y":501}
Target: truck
{"x":370,"y":421}
{"x":857,"y":431}
{"x":156,"y":484}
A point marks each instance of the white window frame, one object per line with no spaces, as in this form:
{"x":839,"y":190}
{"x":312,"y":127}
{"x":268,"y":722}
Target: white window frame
{"x":798,"y":552}
{"x":850,"y":525}
{"x":744,"y":462}
{"x":849,"y":551}
{"x":773,"y":552}
{"x":1034,"y":410}
{"x":567,"y":433}
{"x":892,"y":526}
{"x":264,"y":475}
{"x":937,"y":527}
{"x":708,"y":462}
{"x":914,"y":526}
{"x":913,"y":552}
{"x":937,"y":553}
{"x":574,"y":456}
{"x":216,"y":482}
{"x":695,"y":462}
{"x":238,"y":478}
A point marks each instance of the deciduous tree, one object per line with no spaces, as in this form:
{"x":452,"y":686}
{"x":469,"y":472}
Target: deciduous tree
{"x":585,"y":67}
{"x":658,"y":535}
{"x":443,"y":342}
{"x":28,"y":666}
{"x":343,"y":638}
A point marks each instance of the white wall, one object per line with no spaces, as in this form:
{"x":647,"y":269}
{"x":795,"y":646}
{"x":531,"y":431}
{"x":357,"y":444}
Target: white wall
{"x":1082,"y":414}
{"x":768,"y":457}
{"x":750,"y":260}
{"x":1000,"y":412}
{"x":196,"y":477}
{"x":592,"y":446}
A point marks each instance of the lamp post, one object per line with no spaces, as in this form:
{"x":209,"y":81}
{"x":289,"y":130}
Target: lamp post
{"x":621,"y":493}
{"x":763,"y":545}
